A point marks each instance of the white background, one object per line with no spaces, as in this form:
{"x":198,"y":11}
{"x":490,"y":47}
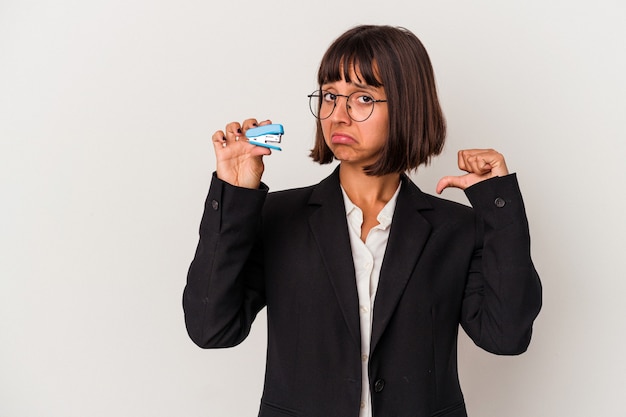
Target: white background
{"x":106,"y":113}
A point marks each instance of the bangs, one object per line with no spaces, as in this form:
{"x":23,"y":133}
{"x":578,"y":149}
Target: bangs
{"x":395,"y":59}
{"x":351,"y":58}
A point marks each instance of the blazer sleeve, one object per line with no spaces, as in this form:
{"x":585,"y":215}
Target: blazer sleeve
{"x":225,"y":290}
{"x":503,"y":291}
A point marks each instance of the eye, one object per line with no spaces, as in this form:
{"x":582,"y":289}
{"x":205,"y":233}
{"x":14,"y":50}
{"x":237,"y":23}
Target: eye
{"x":328,"y":97}
{"x":364,"y":99}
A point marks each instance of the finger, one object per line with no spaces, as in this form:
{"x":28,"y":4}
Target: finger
{"x":249,"y":124}
{"x":471,"y":161}
{"x":477,"y":160}
{"x":462,"y":182}
{"x":496,"y":162}
{"x":218,"y":139}
{"x":260,"y":151}
{"x":479,"y":164}
{"x":444,"y":183}
{"x":233,"y":131}
{"x":461,"y":156}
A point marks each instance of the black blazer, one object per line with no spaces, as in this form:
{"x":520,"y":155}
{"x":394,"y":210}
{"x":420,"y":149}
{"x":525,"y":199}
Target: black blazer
{"x":445,"y":264}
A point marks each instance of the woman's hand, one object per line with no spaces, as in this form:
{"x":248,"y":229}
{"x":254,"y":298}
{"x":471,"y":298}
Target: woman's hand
{"x":480,"y":164}
{"x":238,"y":162}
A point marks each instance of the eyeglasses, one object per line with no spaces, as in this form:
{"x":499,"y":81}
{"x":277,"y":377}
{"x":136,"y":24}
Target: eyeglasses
{"x":359,"y":106}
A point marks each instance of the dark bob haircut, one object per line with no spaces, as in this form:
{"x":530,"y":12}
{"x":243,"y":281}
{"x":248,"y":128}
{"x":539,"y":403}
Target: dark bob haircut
{"x":394,"y":58}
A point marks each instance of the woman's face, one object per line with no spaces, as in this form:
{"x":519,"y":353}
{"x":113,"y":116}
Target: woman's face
{"x":357,"y":143}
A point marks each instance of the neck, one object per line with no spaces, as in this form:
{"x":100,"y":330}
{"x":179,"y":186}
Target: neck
{"x":367,"y":191}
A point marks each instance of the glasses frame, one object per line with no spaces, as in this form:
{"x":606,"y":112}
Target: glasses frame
{"x":320,"y":95}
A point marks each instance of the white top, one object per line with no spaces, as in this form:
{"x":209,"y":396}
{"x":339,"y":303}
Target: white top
{"x":368,"y":259}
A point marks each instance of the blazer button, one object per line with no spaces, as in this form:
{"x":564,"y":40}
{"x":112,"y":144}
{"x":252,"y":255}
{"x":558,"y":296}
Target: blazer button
{"x":379,"y":385}
{"x":215,"y":205}
{"x":499,"y":202}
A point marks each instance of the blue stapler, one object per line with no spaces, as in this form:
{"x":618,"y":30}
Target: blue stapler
{"x":266,"y":136}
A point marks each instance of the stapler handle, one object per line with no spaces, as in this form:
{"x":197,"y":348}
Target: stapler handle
{"x":273,"y":129}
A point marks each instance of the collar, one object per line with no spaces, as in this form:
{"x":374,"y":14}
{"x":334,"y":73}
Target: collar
{"x":384,"y":217}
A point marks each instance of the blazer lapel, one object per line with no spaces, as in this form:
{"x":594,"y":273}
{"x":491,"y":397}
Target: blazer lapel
{"x":330,"y":228}
{"x":408,"y":235}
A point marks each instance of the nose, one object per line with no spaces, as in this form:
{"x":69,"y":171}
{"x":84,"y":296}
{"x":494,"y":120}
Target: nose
{"x":340,"y":114}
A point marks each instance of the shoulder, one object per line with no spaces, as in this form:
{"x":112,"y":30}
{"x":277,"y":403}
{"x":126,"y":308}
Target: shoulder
{"x":446,"y":218}
{"x":289,"y":197}
{"x":430,"y":205}
{"x":447,"y":213}
{"x":292,"y":203}
{"x":287,"y":211}
{"x":326,"y":191}
{"x":443,"y":204}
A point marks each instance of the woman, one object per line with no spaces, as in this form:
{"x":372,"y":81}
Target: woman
{"x":374,"y":276}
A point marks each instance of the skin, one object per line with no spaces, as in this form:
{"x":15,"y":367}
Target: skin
{"x":355,"y":145}
{"x":239,"y":163}
{"x":480,"y":165}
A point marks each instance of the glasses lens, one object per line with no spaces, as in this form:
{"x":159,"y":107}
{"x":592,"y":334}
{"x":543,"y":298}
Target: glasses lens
{"x":320,"y":107}
{"x":314,"y":103}
{"x":360,"y":106}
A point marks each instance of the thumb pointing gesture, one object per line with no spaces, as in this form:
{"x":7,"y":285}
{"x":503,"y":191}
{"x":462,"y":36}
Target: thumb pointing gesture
{"x":480,"y":165}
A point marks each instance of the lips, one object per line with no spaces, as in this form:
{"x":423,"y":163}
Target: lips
{"x":342,"y":139}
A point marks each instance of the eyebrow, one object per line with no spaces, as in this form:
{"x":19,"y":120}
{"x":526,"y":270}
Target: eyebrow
{"x":359,"y":85}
